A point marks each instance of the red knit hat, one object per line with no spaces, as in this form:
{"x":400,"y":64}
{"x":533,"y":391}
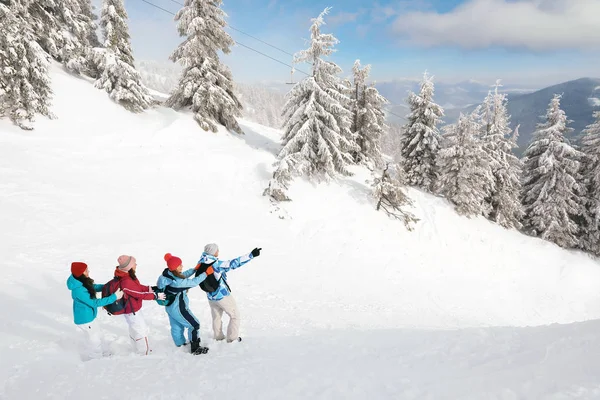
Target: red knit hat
{"x":172,"y":262}
{"x":78,"y":268}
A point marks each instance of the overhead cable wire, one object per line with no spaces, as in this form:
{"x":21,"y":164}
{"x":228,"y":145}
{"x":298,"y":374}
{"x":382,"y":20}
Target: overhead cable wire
{"x":250,"y":48}
{"x":247,"y":34}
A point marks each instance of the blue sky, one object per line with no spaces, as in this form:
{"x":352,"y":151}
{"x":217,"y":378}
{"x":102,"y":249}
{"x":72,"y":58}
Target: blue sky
{"x":527,"y":42}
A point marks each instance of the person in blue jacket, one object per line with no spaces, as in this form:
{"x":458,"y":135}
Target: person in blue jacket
{"x":175,"y":284}
{"x":221,"y":299}
{"x":85,"y":306}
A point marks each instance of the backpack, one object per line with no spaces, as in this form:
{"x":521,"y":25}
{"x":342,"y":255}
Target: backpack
{"x":170,"y":296}
{"x":210,"y":284}
{"x":118,"y":307}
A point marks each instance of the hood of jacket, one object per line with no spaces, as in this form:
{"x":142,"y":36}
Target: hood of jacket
{"x":207,"y":258}
{"x":73,"y":283}
{"x":121,"y":274}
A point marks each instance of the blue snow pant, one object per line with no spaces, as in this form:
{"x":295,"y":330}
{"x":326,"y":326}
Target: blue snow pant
{"x":180,"y":317}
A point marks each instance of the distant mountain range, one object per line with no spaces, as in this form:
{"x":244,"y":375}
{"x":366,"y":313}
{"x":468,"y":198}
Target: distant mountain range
{"x":448,"y":95}
{"x":580,"y":98}
{"x":526,"y":105}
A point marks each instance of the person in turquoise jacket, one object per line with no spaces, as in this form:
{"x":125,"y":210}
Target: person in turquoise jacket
{"x":175,"y":283}
{"x":85,"y":306}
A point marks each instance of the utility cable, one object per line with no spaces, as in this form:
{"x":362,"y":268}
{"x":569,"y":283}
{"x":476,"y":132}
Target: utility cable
{"x":248,"y":47}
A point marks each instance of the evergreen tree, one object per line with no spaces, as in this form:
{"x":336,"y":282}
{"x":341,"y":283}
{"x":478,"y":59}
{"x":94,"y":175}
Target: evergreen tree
{"x":77,"y":22}
{"x":389,"y":193}
{"x":466,"y":178}
{"x":62,"y":28}
{"x":368,"y":121}
{"x":44,"y":16}
{"x":113,"y":20}
{"x":420,"y":141}
{"x":24,"y":82}
{"x":90,"y":18}
{"x":506,"y":208}
{"x":550,"y":188}
{"x":590,"y":225}
{"x":316,"y":139}
{"x":122,"y":82}
{"x":115,"y":64}
{"x":206,"y":85}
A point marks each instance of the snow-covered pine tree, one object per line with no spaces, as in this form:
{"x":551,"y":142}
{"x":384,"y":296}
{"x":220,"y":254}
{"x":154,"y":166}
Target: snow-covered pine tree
{"x":113,"y":21}
{"x":550,"y":189}
{"x":355,"y":91}
{"x":115,"y":64}
{"x":24,"y":81}
{"x":420,"y":141}
{"x":90,"y":18}
{"x":77,"y":21}
{"x":47,"y":27}
{"x":590,"y":171}
{"x":388,"y":191}
{"x":206,"y":85}
{"x":368,"y":122}
{"x":466,"y":178}
{"x":62,"y":29}
{"x":504,"y":199}
{"x":317,"y":138}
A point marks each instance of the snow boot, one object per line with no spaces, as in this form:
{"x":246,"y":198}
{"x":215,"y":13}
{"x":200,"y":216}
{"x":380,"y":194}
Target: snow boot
{"x":196,"y":348}
{"x":234,"y":340}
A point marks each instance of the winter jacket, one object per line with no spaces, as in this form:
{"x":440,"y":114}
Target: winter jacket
{"x":180,"y":287}
{"x":133,"y":292}
{"x":85,"y":309}
{"x":221,"y":268}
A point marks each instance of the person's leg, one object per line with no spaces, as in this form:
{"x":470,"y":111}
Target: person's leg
{"x":176,"y":330}
{"x":93,"y":340}
{"x":217,"y":319}
{"x":138,"y":332}
{"x":193,"y":325}
{"x":229,"y":305}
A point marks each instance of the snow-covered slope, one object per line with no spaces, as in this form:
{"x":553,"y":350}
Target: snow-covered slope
{"x":343,"y":303}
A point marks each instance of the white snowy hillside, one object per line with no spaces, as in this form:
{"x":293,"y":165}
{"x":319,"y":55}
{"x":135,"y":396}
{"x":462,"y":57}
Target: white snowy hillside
{"x":343,"y":303}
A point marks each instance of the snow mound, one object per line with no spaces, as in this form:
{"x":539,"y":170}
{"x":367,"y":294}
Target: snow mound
{"x":343,"y":302}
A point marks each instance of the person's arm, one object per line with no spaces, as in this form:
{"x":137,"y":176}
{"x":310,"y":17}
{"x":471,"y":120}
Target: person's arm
{"x":98,"y":287}
{"x":139,"y":292}
{"x":189,"y":272}
{"x":84,"y":297}
{"x":225,"y":266}
{"x":188,"y":283}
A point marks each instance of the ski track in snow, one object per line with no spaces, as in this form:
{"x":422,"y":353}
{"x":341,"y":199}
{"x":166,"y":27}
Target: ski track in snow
{"x":343,"y":302}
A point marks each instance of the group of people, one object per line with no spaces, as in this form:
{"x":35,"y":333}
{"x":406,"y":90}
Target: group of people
{"x":171,"y":290}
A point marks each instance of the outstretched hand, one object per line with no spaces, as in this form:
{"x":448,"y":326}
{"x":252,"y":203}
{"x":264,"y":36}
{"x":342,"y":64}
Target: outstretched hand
{"x":256,"y":252}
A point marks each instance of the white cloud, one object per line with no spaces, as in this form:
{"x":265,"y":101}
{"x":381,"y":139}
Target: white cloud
{"x":533,"y":24}
{"x":342,"y":18}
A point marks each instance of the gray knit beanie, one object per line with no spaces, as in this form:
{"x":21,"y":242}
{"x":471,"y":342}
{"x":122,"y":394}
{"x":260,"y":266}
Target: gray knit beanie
{"x":211,"y":249}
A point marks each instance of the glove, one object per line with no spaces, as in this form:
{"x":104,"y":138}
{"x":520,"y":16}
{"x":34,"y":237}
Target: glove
{"x":197,"y":266}
{"x":209,"y":270}
{"x":119,"y":294}
{"x":154,"y":288}
{"x":161,"y":296}
{"x":256,"y":252}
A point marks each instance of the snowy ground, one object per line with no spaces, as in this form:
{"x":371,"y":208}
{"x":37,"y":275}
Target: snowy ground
{"x":343,"y":303}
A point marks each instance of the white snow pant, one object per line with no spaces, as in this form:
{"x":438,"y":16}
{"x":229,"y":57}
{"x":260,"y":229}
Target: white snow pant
{"x":93,"y":339}
{"x":228,"y":305}
{"x":138,"y":332}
